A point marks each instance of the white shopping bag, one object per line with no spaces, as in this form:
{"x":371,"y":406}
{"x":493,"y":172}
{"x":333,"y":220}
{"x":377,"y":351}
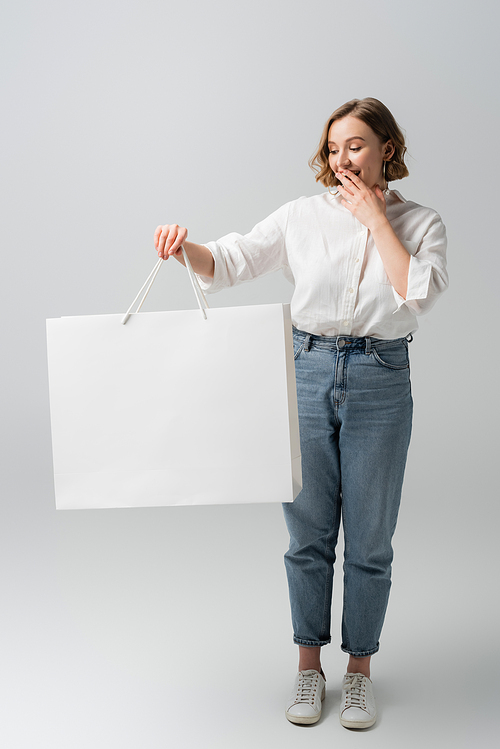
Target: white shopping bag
{"x":174,"y":408}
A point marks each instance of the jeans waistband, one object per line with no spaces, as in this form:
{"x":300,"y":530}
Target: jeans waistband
{"x":339,"y":342}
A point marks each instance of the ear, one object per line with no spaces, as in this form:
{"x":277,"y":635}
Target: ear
{"x":389,"y":149}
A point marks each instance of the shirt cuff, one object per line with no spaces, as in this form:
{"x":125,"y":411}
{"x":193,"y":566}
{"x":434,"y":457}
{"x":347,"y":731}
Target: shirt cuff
{"x":419,"y":276}
{"x":208,"y":284}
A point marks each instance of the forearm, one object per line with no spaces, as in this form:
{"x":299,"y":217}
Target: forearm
{"x":394,"y":255}
{"x":200,"y":258}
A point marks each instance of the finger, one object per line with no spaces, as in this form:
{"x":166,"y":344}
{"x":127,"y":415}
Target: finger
{"x":346,"y":204}
{"x":379,"y":193}
{"x":169,"y":235}
{"x":162,"y":238}
{"x":347,"y":197}
{"x":157,"y":236}
{"x":163,"y":241}
{"x":172,"y":236}
{"x":181,"y":236}
{"x":351,"y":176}
{"x":343,"y":187}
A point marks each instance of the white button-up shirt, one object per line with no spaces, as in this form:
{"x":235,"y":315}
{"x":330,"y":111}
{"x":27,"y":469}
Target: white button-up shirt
{"x":341,"y":287}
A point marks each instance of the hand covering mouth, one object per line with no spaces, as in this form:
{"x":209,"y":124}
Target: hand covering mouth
{"x":357,"y":173}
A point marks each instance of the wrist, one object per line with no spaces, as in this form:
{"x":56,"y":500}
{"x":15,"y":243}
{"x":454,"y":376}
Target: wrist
{"x":381,"y":225}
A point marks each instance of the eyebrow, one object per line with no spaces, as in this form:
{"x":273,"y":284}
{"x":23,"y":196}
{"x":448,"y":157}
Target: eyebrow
{"x":354,"y":137}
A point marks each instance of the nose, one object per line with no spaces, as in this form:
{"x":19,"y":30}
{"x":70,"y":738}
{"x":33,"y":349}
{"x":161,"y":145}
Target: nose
{"x":343,"y":160}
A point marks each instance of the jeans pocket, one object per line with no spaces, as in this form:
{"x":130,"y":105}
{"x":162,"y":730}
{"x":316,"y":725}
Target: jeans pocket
{"x":394,"y":356}
{"x":298,"y":347}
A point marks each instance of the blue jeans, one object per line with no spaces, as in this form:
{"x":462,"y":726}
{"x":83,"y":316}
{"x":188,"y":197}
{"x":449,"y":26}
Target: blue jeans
{"x":355,"y":414}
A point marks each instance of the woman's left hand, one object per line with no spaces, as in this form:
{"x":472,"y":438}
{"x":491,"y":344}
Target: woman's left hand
{"x":367,"y":205}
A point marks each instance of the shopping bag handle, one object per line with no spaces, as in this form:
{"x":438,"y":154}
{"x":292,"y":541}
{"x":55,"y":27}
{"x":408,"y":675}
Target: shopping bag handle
{"x":200,"y":296}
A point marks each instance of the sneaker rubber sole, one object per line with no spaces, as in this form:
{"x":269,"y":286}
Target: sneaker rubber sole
{"x":357,"y":723}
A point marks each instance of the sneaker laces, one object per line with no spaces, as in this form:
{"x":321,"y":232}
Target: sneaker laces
{"x":306,"y":687}
{"x":355,"y":689}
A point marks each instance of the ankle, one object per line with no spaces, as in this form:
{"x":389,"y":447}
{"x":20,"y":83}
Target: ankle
{"x":310,"y":658}
{"x":359,"y":666}
{"x":308,"y":667}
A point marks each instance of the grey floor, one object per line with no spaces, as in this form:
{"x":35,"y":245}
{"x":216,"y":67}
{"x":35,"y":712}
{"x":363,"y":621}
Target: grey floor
{"x":170,"y":627}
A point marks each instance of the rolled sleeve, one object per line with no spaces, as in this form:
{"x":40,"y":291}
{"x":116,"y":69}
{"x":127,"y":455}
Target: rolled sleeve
{"x":211,"y":285}
{"x":243,"y":257}
{"x":427,"y":274}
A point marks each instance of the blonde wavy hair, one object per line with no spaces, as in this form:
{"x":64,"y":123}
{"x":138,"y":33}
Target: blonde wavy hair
{"x":382,"y":122}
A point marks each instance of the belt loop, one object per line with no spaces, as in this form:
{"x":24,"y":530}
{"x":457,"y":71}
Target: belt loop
{"x":409,"y":338}
{"x":368,"y":345}
{"x":307,"y":344}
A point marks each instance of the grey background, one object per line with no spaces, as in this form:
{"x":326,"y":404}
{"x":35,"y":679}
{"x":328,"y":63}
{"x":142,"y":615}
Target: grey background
{"x":170,"y":626}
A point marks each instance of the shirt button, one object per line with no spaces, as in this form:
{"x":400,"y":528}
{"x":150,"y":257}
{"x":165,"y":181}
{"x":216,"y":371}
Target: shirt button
{"x":351,"y":291}
{"x":357,"y":259}
{"x":346,"y":322}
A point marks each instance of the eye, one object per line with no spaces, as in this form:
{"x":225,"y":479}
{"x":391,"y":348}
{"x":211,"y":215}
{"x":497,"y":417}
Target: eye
{"x":357,"y":148}
{"x":332,"y":152}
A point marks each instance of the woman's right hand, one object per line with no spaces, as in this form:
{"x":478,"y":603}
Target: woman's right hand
{"x":168,"y":240}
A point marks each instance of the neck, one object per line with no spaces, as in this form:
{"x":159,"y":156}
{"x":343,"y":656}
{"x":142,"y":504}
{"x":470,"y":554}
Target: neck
{"x":382,"y":183}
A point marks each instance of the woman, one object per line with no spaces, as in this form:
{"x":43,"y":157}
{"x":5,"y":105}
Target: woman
{"x":364,"y":262}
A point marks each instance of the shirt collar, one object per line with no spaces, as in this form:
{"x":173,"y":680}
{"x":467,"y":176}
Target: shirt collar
{"x":398,"y":195}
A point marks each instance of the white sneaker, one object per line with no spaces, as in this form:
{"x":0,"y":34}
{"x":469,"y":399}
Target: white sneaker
{"x":304,"y":705}
{"x":357,"y":709}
